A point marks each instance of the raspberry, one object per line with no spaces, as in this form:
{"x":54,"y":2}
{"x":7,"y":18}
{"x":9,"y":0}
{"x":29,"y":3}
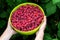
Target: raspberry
{"x":27,"y":17}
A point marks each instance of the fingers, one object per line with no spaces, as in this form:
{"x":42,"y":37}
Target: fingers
{"x":39,"y":36}
{"x":40,"y":33}
{"x":43,"y":24}
{"x":9,"y":20}
{"x":42,"y":28}
{"x":9,"y":26}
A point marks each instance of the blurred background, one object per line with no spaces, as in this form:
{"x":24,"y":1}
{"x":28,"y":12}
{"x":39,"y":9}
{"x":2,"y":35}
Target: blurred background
{"x":51,"y":9}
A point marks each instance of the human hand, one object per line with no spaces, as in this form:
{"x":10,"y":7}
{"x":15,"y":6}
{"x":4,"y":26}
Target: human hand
{"x":40,"y":33}
{"x":7,"y":33}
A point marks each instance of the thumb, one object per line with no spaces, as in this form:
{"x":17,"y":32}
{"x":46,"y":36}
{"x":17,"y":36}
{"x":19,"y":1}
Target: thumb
{"x":40,"y":33}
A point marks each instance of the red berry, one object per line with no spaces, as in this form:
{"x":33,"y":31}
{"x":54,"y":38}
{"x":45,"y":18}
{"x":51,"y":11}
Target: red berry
{"x":27,"y":17}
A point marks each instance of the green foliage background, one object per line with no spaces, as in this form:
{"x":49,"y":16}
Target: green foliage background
{"x":52,"y":11}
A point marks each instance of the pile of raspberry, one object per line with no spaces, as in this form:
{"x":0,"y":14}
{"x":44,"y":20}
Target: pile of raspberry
{"x":27,"y":17}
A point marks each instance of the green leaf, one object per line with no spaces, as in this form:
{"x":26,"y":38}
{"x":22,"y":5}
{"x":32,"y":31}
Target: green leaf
{"x":55,"y":1}
{"x":55,"y":39}
{"x":4,"y":14}
{"x":50,"y":9}
{"x":58,"y":33}
{"x":59,"y":25}
{"x":47,"y":36}
{"x":2,"y":23}
{"x":58,"y":4}
{"x":58,"y":30}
